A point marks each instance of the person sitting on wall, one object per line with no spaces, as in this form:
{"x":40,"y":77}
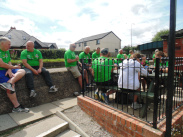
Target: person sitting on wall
{"x":71,"y":63}
{"x":129,"y":77}
{"x":33,"y":64}
{"x":153,"y":57}
{"x":9,"y":74}
{"x":163,"y":63}
{"x":103,"y":67}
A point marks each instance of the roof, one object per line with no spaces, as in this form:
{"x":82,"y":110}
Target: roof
{"x":151,"y":45}
{"x":178,"y":33}
{"x":2,"y":33}
{"x":95,"y":37}
{"x":50,"y":44}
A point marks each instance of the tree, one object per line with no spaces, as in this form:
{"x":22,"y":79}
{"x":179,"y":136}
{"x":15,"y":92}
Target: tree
{"x":158,"y":35}
{"x":127,"y":48}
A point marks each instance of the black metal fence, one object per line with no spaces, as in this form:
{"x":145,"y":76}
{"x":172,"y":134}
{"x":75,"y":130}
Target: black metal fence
{"x":138,"y":90}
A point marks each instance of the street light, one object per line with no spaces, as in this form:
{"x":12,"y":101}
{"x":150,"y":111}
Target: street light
{"x":131,"y":33}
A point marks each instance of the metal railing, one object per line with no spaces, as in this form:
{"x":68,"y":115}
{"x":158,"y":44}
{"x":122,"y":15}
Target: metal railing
{"x":118,"y":84}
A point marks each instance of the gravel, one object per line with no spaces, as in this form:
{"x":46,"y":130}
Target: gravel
{"x":85,"y":122}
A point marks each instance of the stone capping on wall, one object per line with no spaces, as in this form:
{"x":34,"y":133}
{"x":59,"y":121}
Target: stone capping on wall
{"x":62,"y":79}
{"x":119,"y":123}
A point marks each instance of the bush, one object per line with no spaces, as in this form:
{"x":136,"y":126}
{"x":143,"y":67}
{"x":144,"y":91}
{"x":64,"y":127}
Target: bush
{"x":46,"y":53}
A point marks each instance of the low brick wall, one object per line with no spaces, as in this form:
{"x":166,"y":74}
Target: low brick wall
{"x":121,"y":124}
{"x":63,"y":79}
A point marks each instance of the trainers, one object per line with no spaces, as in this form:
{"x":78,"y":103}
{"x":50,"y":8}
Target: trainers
{"x":53,"y":89}
{"x":20,"y":108}
{"x":105,"y":98}
{"x":7,"y":86}
{"x":33,"y":93}
{"x":135,"y":105}
{"x":97,"y":95}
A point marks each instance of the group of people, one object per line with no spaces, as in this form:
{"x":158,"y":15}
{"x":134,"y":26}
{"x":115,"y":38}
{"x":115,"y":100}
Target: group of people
{"x":101,"y":67}
{"x":32,"y":64}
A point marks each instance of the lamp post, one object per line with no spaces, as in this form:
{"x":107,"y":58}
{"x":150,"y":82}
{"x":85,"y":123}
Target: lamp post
{"x":131,"y":33}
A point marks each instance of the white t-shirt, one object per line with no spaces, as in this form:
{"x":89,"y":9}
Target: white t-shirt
{"x":128,"y":77}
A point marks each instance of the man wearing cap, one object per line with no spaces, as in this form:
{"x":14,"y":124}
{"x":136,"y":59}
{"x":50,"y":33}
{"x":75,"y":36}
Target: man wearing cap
{"x":71,"y":63}
{"x":96,"y":54}
{"x":103,"y":67}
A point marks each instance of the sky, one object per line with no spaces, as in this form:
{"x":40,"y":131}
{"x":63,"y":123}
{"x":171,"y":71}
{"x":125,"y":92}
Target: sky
{"x":66,"y":21}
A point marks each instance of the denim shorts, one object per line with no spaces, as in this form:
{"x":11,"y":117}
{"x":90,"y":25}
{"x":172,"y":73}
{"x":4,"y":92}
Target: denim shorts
{"x":4,"y":78}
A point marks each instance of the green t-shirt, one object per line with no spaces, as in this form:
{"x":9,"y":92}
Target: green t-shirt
{"x":129,"y":55}
{"x":5,"y":56}
{"x":120,"y":56}
{"x":101,"y":69}
{"x":95,"y":55}
{"x":165,"y":64}
{"x":31,"y":57}
{"x":153,"y":56}
{"x":84,"y":56}
{"x":70,"y":55}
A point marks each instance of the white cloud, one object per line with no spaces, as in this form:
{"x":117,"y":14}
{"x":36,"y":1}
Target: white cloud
{"x":68,"y":21}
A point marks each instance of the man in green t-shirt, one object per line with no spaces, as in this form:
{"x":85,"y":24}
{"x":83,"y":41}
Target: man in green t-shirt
{"x":103,"y":67}
{"x":120,"y":56}
{"x":96,"y":54}
{"x":9,"y":74}
{"x":71,"y":63}
{"x":33,"y":64}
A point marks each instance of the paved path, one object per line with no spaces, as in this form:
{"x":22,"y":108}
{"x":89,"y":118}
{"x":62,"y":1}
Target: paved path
{"x":12,"y":120}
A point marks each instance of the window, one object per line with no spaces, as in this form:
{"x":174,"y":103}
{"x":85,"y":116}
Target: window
{"x":85,"y":44}
{"x":97,"y":41}
{"x":79,"y":44}
{"x":116,"y":50}
{"x":9,"y":36}
{"x":24,"y":38}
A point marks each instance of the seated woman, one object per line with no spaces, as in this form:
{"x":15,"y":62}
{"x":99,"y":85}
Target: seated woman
{"x":129,"y":76}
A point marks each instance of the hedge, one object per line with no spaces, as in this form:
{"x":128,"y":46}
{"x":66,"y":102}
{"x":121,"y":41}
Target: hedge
{"x":46,"y":53}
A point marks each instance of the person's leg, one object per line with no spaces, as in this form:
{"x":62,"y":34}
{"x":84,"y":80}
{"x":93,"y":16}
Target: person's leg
{"x":18,"y":74}
{"x":13,"y":99}
{"x":80,"y":81}
{"x":86,"y":76}
{"x":29,"y":79}
{"x":45,"y":73}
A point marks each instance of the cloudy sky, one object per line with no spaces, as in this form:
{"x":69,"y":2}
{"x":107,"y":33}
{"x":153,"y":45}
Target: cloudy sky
{"x":67,"y":21}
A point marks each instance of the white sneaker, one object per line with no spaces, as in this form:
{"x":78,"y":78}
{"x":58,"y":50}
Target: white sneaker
{"x":53,"y":89}
{"x":135,"y":105}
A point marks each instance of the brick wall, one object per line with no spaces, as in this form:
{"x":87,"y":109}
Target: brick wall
{"x":116,"y":122}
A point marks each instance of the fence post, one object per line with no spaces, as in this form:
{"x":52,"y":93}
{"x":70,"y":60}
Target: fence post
{"x":82,"y":62}
{"x":156,"y":91}
{"x":171,"y":54}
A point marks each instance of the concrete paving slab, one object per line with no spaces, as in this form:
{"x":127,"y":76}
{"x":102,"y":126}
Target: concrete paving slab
{"x":6,"y":122}
{"x":40,"y":127}
{"x":35,"y":113}
{"x":66,"y":103}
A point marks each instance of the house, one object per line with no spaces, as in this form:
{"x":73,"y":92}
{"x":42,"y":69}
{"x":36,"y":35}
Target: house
{"x":105,"y":40}
{"x":178,"y":43}
{"x":19,"y":38}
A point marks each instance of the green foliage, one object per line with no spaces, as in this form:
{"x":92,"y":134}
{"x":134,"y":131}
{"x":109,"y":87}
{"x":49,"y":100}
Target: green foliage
{"x":158,"y":35}
{"x":127,"y":48}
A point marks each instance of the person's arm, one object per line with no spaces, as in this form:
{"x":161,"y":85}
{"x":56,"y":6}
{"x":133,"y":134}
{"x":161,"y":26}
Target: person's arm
{"x":8,"y":66}
{"x":139,"y":68}
{"x":40,"y":65}
{"x":24,"y":61}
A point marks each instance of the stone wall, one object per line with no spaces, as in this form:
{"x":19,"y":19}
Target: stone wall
{"x":63,"y":79}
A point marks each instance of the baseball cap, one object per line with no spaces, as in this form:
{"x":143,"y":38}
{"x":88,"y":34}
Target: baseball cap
{"x":104,"y":51}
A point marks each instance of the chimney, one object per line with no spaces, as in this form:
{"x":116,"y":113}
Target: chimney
{"x":12,"y":28}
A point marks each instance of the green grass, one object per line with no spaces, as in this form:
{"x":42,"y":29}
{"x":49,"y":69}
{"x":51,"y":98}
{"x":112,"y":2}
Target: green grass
{"x":44,"y":60}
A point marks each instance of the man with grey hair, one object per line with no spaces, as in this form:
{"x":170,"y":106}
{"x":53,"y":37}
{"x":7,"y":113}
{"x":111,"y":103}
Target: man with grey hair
{"x":10,"y":74}
{"x":71,"y":63}
{"x":33,"y":64}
